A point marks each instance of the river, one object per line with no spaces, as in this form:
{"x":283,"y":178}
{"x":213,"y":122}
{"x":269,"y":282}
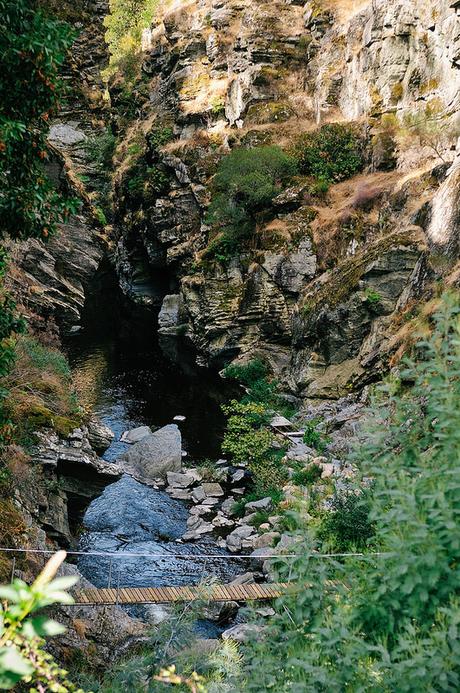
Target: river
{"x":127,"y":381}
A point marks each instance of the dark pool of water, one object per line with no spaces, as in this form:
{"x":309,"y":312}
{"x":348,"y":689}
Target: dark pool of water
{"x":127,"y":379}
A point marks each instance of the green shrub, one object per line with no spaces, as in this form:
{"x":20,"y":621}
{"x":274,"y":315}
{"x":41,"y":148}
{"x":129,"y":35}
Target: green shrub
{"x":246,"y":439}
{"x":100,"y":216}
{"x":332,"y":153}
{"x":124,"y":23}
{"x":33,"y":48}
{"x":159,"y":136}
{"x":100,"y":148}
{"x":248,"y":373}
{"x":346,"y":526}
{"x":308,"y":476}
{"x":312,"y":437}
{"x":244,"y":186}
{"x":373,"y":297}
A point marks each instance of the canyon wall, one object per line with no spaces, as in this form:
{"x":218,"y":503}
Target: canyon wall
{"x":220,"y":74}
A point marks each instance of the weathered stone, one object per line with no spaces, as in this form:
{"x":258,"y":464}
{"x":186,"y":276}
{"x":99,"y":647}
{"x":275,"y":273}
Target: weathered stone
{"x":235,"y":538}
{"x":169,"y":316}
{"x":262,"y":504}
{"x":179,"y":493}
{"x":213,"y":490}
{"x":265,"y":540}
{"x":328,"y":471}
{"x":66,"y":134}
{"x":244,"y":579}
{"x":228,"y":506}
{"x":135,"y":435}
{"x":155,"y":455}
{"x":198,"y":531}
{"x":178,"y":480}
{"x":242,"y":632}
{"x":198,"y":494}
{"x":221,"y":521}
{"x":238,"y":476}
{"x":100,"y":436}
{"x":221,"y":612}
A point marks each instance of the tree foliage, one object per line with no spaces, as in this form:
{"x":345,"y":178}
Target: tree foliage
{"x":33,"y":48}
{"x":124,"y":23}
{"x":387,"y":622}
{"x":244,"y":186}
{"x":22,"y":631}
{"x":331,"y":153}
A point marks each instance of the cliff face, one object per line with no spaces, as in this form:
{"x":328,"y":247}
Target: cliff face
{"x":51,"y":280}
{"x":323,"y":288}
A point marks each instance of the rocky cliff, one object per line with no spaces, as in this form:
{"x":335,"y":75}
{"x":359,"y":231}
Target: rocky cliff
{"x":328,"y":279}
{"x":51,"y":279}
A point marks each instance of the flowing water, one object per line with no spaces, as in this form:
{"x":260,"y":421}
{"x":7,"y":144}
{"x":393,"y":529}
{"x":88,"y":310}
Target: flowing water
{"x":124,"y":377}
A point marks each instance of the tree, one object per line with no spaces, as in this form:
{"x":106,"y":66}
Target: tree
{"x":33,"y":47}
{"x":390,"y":621}
{"x":124,"y":23}
{"x":246,"y":182}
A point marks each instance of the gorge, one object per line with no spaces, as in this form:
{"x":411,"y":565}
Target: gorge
{"x":267,"y":225}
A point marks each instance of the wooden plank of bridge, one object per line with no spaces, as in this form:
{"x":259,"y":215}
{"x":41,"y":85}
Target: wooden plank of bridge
{"x":165,"y":595}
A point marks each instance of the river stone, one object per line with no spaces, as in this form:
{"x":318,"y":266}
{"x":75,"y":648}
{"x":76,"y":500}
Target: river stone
{"x":242,"y":632}
{"x":213,"y":490}
{"x":135,"y":435}
{"x":100,"y":436}
{"x":228,"y":505}
{"x":235,"y":539}
{"x":243,"y":579}
{"x":155,"y":455}
{"x":198,"y":494}
{"x":179,"y":480}
{"x":221,"y":521}
{"x":156,"y":613}
{"x":265,"y":540}
{"x":179,"y":493}
{"x":197,"y":532}
{"x":238,"y":476}
{"x":221,"y":612}
{"x":262,"y":504}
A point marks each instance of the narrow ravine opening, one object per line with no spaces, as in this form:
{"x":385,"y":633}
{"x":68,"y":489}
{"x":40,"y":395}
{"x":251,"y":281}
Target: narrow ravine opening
{"x":124,"y":378}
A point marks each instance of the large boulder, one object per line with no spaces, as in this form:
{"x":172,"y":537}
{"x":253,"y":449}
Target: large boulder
{"x":100,"y":436}
{"x":155,"y":455}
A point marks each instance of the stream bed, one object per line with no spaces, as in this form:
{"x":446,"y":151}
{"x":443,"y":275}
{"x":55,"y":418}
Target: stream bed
{"x":129,"y":383}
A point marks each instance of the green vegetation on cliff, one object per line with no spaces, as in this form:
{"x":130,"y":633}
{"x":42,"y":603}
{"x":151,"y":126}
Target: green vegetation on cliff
{"x":125,"y":22}
{"x":248,"y":437}
{"x":388,"y":621}
{"x":245,"y":184}
{"x":33,"y":48}
{"x":331,"y":153}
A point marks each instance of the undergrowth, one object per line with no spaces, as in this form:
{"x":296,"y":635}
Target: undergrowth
{"x":39,"y":391}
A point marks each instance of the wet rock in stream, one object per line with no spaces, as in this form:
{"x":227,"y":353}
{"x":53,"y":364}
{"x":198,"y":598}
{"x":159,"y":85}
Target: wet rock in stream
{"x":130,"y":518}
